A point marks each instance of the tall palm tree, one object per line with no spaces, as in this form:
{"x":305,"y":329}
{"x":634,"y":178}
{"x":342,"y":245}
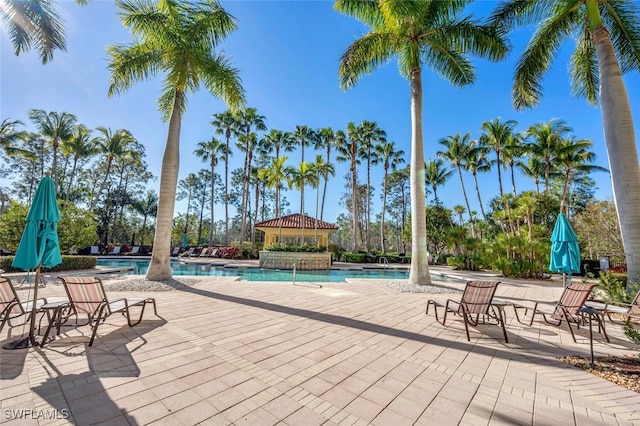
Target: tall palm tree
{"x":322,"y":169}
{"x":10,"y":137}
{"x":478,"y":161}
{"x":227,"y":125}
{"x":112,"y":145}
{"x":607,"y":45}
{"x":305,"y":136}
{"x":276,"y":176}
{"x":534,"y":168}
{"x":574,"y":157}
{"x":146,"y":206}
{"x":177,"y":39}
{"x":278,"y":140}
{"x":249,"y":120}
{"x":458,"y":149}
{"x":391,"y":159}
{"x":436,"y":175}
{"x":348,"y":151}
{"x":81,"y":145}
{"x":418,"y":32}
{"x":460,"y":210}
{"x":370,"y":133}
{"x":496,"y":135}
{"x":58,"y":128}
{"x":211,"y":151}
{"x":511,"y":152}
{"x":303,"y":175}
{"x":327,"y":139}
{"x":545,"y":139}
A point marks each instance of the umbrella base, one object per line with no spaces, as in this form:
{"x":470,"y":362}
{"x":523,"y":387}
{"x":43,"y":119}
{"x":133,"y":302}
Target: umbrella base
{"x":24,"y":343}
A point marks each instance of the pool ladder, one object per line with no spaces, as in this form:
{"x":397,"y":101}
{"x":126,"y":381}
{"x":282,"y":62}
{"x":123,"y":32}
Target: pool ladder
{"x":385,"y":262}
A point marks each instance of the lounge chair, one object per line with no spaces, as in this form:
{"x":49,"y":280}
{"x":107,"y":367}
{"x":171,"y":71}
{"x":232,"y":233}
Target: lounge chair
{"x":204,"y":252}
{"x":187,"y":253}
{"x":476,"y":301}
{"x":115,"y":251}
{"x":88,"y":297}
{"x":175,"y":251}
{"x":11,"y":308}
{"x":566,"y":309}
{"x":625,"y":310}
{"x":134,"y":251}
{"x":95,"y":250}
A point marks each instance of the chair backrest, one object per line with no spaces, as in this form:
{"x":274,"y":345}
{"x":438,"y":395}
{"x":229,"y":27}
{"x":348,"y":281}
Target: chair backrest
{"x":635,"y":305}
{"x":135,"y":249}
{"x":175,"y":251}
{"x":95,"y":250}
{"x":204,"y":252}
{"x":85,"y":293}
{"x":478,"y":295}
{"x":9,"y":297}
{"x":116,"y":250}
{"x":573,"y":298}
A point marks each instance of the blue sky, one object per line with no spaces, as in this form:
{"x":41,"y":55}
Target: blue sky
{"x":288,"y":54}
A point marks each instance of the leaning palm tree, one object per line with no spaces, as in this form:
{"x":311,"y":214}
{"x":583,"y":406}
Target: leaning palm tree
{"x":607,"y":35}
{"x":179,"y":40}
{"x":436,"y":175}
{"x":391,"y":159}
{"x":226,"y":124}
{"x":418,"y":32}
{"x":211,"y":150}
{"x":458,"y":149}
{"x":58,"y":128}
{"x":478,"y":161}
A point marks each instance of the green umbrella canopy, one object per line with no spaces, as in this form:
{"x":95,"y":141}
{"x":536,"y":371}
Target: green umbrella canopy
{"x":565,"y":253}
{"x":39,"y":243}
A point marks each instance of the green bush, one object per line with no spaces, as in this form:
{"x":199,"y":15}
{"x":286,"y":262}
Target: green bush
{"x":301,"y":248}
{"x":69,"y":263}
{"x":615,"y":289}
{"x":336,"y":250}
{"x":355,"y":257}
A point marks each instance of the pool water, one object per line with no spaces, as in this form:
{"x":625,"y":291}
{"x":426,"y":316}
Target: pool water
{"x":257,"y":274}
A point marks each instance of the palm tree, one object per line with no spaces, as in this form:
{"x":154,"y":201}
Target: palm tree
{"x":458,"y":149}
{"x":111,"y":145}
{"x":81,"y":145}
{"x":306,"y":137}
{"x":370,"y":133}
{"x":177,"y":39}
{"x":328,"y":139}
{"x":391,"y":159}
{"x":322,"y":169}
{"x":303,"y":175}
{"x":276,"y":175}
{"x":546,"y":138}
{"x":348,"y":150}
{"x":278,"y":140}
{"x":607,"y":45}
{"x":496,"y":136}
{"x":574,"y":157}
{"x":211,"y":150}
{"x":9,"y":136}
{"x":227,"y":125}
{"x":146,"y":206}
{"x":534,"y":168}
{"x":419,"y":32}
{"x":436,"y":175}
{"x":249,"y":119}
{"x":460,"y":210}
{"x":58,"y":128}
{"x":511,"y":152}
{"x":478,"y":161}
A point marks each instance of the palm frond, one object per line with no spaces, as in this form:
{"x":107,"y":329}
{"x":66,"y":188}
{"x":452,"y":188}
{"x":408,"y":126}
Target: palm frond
{"x":165,"y":103}
{"x":585,"y":77}
{"x":448,"y":63}
{"x":131,"y":64}
{"x":485,"y":41}
{"x":540,"y":52}
{"x":365,"y":55}
{"x":366,"y":11}
{"x":512,"y":13}
{"x":224,"y":81}
{"x":622,"y":19}
{"x":209,"y":23}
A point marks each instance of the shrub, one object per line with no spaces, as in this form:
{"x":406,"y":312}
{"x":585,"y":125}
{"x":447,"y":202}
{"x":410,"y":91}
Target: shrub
{"x":301,"y":248}
{"x":355,"y":257}
{"x":69,"y":263}
{"x":337,"y":251}
{"x":615,"y":289}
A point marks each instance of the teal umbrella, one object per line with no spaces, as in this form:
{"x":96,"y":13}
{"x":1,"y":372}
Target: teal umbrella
{"x":565,"y":253}
{"x":39,"y":244}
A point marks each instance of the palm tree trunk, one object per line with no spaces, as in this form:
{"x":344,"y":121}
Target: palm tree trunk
{"x":255,"y":217}
{"x":226,"y":190}
{"x":160,"y":266}
{"x":513,"y":179}
{"x":419,"y":273}
{"x":354,"y":200}
{"x":212,"y":228}
{"x":499,"y":164}
{"x":71,"y":176}
{"x":384,"y":204}
{"x":466,"y":201}
{"x":621,"y":147}
{"x":54,"y":167}
{"x":368,"y":207}
{"x":475,"y":180}
{"x":326,"y":178}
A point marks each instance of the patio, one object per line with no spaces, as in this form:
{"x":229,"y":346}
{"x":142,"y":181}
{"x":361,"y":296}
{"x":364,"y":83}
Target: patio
{"x":358,"y":353}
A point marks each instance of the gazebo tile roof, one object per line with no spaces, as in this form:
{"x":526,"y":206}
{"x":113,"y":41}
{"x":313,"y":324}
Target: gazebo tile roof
{"x":295,"y":221}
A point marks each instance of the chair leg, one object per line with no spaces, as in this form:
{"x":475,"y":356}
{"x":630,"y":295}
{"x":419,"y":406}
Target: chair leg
{"x":96,"y":323}
{"x":504,"y":329}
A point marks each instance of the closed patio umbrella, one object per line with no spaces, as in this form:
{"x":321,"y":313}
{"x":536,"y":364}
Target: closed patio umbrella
{"x":565,"y":253}
{"x":39,"y":246}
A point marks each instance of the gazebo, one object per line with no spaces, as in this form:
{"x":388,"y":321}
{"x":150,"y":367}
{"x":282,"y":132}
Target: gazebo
{"x":293,"y":226}
{"x":290,"y":228}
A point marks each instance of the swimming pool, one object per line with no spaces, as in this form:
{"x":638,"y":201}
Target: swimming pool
{"x":257,"y":274}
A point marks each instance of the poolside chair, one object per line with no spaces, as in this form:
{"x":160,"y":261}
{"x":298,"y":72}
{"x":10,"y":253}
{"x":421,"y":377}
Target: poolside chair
{"x":115,"y":251}
{"x":175,"y":251}
{"x":134,"y":251}
{"x":204,"y":252}
{"x":566,"y":309}
{"x":476,"y":302}
{"x":95,"y":250}
{"x":11,"y":308}
{"x":627,"y":311}
{"x":88,"y":297}
{"x":187,"y":253}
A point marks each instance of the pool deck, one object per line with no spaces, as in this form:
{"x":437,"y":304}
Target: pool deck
{"x":254,"y":353}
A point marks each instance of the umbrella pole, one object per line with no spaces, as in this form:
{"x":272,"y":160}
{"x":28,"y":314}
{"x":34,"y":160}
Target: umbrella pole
{"x":32,"y":325}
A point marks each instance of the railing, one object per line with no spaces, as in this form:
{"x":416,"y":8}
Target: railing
{"x":293,"y":277}
{"x":385,"y":262}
